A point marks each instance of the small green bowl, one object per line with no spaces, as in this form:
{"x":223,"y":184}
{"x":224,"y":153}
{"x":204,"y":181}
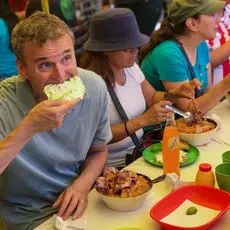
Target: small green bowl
{"x":226,"y":157}
{"x":223,"y":176}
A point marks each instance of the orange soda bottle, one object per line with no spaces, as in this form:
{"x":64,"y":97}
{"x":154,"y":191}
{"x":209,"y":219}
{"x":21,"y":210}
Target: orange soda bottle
{"x":171,"y":146}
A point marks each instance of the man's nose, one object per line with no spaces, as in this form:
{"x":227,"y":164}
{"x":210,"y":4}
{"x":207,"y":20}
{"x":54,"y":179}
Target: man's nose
{"x":59,"y":73}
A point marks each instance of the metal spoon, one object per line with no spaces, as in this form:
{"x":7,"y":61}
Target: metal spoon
{"x":154,"y":181}
{"x":187,"y":116}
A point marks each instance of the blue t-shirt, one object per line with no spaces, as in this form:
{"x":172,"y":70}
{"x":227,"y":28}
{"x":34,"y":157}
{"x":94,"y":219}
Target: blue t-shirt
{"x":166,"y":62}
{"x":51,"y":160}
{"x":8,"y":66}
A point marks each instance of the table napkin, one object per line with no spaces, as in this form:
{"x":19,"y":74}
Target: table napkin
{"x":173,"y":182}
{"x":69,"y":224}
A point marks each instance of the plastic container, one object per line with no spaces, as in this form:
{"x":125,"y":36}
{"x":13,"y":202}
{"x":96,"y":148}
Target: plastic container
{"x":171,"y":147}
{"x":203,"y":195}
{"x":205,"y":175}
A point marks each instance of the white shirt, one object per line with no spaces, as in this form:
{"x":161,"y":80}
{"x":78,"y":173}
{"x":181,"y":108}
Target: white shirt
{"x":133,"y":102}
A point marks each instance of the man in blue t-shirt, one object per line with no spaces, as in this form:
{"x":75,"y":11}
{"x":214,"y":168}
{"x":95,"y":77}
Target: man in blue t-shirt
{"x":51,"y":152}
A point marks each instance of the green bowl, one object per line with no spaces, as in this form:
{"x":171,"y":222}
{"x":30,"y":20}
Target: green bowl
{"x":223,"y":176}
{"x":226,"y":157}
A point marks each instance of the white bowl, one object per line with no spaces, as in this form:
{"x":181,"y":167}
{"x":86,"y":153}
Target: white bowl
{"x":198,"y":139}
{"x":125,"y":204}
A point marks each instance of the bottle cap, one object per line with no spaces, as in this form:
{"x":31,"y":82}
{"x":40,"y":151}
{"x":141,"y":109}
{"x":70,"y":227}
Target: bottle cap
{"x":205,"y":167}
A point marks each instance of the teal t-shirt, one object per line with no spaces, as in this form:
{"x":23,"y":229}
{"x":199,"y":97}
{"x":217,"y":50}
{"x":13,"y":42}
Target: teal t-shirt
{"x":166,"y":62}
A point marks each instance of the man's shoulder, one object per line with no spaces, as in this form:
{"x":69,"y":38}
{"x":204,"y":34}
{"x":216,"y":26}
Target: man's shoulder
{"x":91,"y":79}
{"x":8,"y":86}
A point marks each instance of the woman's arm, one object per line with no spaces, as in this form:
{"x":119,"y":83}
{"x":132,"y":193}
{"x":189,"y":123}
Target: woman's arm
{"x":205,"y":102}
{"x":154,"y":115}
{"x":220,"y":55}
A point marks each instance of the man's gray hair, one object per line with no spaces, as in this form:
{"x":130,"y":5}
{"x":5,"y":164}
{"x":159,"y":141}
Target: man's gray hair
{"x":39,"y":27}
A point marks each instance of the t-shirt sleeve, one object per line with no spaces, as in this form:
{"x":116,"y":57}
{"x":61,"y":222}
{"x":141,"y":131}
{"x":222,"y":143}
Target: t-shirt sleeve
{"x":103,"y":133}
{"x":3,"y":118}
{"x":170,"y":66}
{"x":136,"y":73}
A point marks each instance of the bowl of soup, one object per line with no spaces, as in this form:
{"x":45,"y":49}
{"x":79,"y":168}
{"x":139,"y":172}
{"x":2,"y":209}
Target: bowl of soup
{"x":123,"y":190}
{"x":197,"y":134}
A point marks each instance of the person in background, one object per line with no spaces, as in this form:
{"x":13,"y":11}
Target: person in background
{"x":164,"y":64}
{"x":111,"y":52}
{"x":8,"y":20}
{"x":51,"y":152}
{"x":75,"y":13}
{"x":147,"y":12}
{"x":219,"y":47}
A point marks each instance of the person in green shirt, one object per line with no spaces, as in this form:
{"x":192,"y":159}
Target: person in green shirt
{"x":165,"y":66}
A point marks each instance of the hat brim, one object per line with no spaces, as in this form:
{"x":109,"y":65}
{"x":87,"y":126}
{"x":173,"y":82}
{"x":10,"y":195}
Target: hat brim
{"x":108,"y":46}
{"x":213,"y":8}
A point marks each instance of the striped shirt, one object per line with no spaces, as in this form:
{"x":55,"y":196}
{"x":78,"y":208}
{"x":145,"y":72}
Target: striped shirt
{"x":222,"y":36}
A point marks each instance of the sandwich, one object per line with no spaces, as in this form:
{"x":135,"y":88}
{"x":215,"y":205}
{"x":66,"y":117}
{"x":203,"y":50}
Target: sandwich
{"x":71,"y":89}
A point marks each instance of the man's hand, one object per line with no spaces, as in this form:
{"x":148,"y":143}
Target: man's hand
{"x":47,"y":115}
{"x":186,"y":90}
{"x":72,"y":200}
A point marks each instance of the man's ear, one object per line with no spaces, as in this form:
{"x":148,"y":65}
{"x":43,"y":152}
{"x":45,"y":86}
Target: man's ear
{"x":21,"y":68}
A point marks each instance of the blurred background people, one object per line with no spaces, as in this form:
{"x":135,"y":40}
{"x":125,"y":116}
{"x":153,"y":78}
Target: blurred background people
{"x":8,"y":20}
{"x":75,"y":13}
{"x":219,"y":47}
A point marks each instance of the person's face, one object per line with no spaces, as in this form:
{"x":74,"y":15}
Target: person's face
{"x":122,"y":59}
{"x":53,"y":63}
{"x":207,"y":25}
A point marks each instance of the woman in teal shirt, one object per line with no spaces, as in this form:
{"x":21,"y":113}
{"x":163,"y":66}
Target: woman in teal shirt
{"x":189,"y":23}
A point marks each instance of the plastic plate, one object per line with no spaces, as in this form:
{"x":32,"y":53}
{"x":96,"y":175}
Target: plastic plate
{"x":149,"y":155}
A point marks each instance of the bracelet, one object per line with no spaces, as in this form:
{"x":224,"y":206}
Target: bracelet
{"x":166,"y":95}
{"x":126,"y":129}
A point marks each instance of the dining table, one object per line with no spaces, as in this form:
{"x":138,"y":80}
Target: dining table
{"x":99,"y":217}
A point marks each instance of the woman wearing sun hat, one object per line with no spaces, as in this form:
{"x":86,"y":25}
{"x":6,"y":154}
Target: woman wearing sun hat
{"x":177,"y":52}
{"x":111,"y":52}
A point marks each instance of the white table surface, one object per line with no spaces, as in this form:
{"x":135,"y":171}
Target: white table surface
{"x":99,"y":217}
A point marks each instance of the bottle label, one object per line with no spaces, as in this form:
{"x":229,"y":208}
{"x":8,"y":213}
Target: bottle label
{"x":173,"y":143}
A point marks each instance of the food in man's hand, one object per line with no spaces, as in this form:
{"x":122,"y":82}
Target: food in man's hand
{"x":183,"y":157}
{"x":122,"y":184}
{"x":191,"y":211}
{"x":71,"y":89}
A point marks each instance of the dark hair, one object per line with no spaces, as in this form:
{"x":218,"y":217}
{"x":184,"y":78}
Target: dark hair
{"x":9,"y":17}
{"x":166,"y":32}
{"x":98,"y":63}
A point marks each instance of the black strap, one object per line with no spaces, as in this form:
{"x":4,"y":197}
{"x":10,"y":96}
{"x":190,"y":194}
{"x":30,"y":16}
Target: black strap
{"x":180,"y":45}
{"x":122,"y":114}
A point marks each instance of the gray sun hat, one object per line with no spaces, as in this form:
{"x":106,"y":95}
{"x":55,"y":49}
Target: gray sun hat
{"x":114,"y":30}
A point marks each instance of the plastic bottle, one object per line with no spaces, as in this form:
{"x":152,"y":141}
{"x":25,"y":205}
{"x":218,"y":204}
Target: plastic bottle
{"x":205,"y":175}
{"x":171,"y":147}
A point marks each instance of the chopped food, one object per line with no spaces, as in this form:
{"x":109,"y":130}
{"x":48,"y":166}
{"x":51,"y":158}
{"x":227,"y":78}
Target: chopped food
{"x":183,"y":157}
{"x":122,"y":184}
{"x":71,"y":89}
{"x":184,"y":146}
{"x":191,"y":211}
{"x":156,"y":148}
{"x":193,"y":127}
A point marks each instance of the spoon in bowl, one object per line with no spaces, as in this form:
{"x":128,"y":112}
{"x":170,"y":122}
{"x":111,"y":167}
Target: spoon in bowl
{"x":187,"y":116}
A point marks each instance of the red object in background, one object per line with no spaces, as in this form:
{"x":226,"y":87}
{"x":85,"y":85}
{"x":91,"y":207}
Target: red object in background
{"x":202,"y":195}
{"x":17,"y":5}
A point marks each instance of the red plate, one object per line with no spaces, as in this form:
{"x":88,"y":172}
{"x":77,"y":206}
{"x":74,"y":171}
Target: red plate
{"x":202,"y":195}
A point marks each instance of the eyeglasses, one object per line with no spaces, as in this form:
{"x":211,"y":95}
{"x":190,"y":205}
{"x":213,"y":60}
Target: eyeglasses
{"x":132,"y":51}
